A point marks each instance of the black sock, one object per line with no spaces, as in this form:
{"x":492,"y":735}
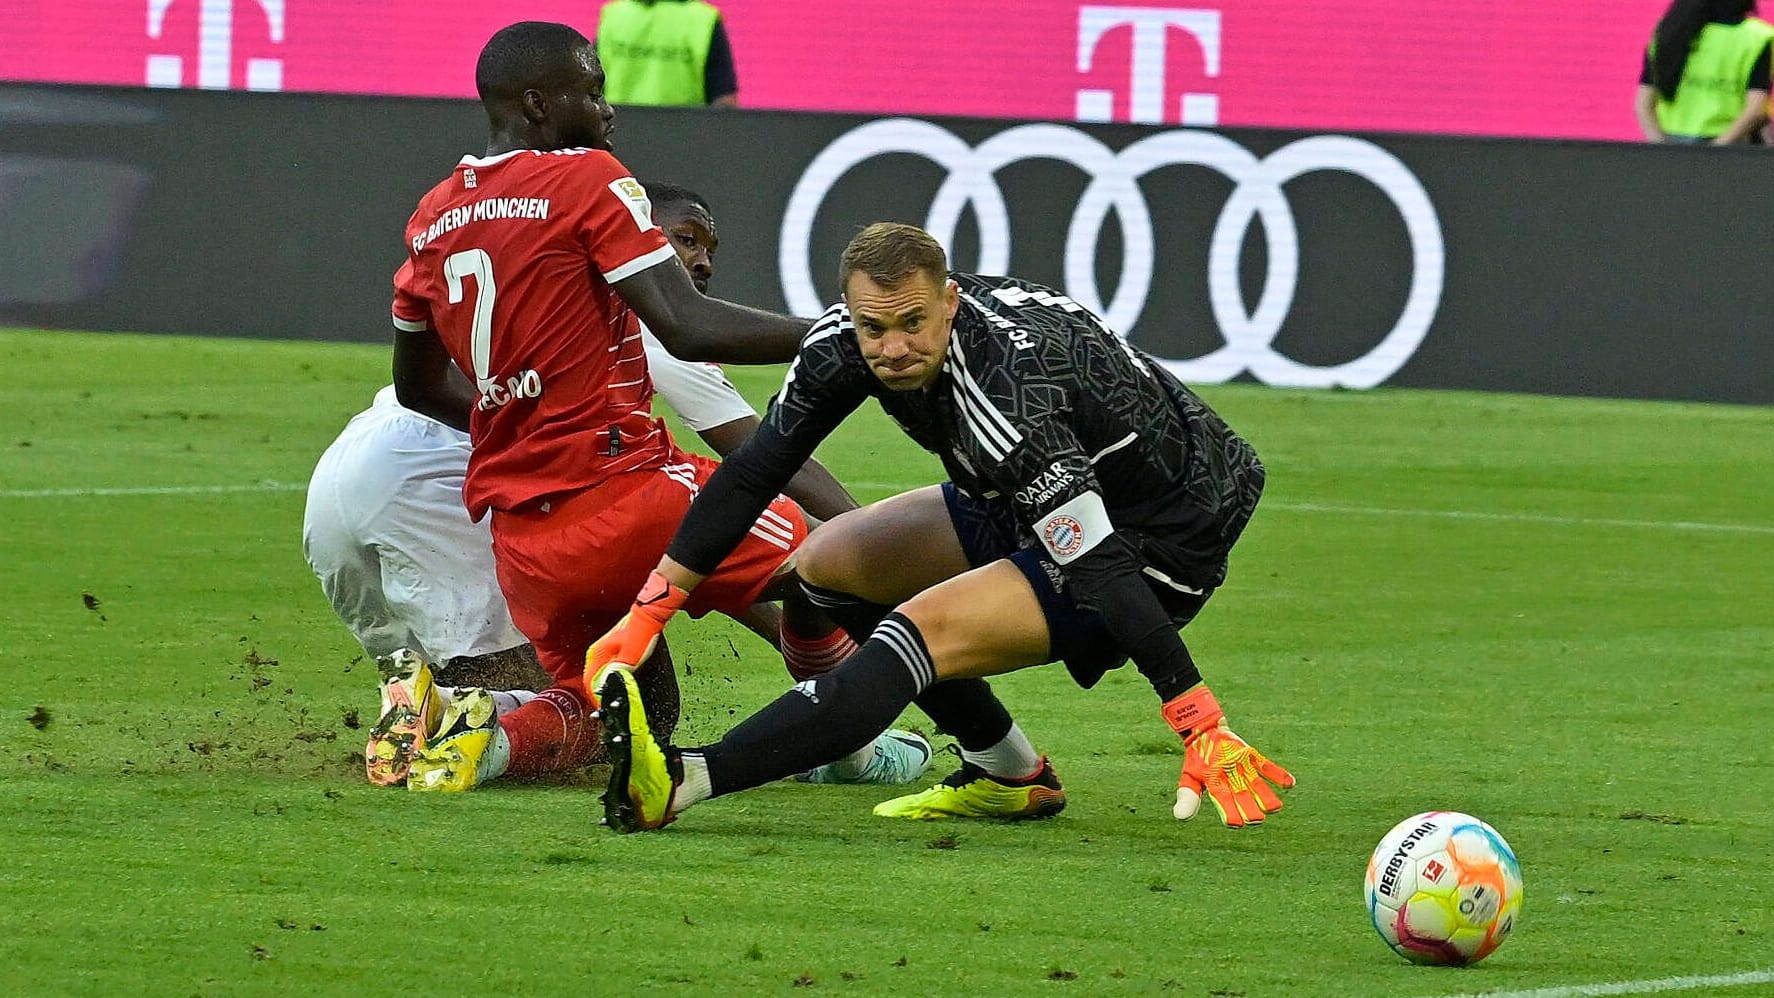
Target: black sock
{"x":968,"y":710}
{"x":825,"y":718}
{"x":858,"y":617}
{"x":965,"y":709}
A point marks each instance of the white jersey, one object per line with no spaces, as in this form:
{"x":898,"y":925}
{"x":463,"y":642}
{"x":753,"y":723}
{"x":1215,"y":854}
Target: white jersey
{"x":386,"y":531}
{"x":700,"y":393}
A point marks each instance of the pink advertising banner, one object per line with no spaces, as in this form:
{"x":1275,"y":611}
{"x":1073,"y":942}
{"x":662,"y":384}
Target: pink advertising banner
{"x":1474,"y":67}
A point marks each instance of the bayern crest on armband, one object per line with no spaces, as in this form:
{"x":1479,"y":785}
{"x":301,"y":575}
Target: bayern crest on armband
{"x":1064,"y":536}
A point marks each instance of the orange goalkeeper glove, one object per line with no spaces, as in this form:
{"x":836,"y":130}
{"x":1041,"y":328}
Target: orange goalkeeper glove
{"x":633,"y":638}
{"x":1234,"y":775}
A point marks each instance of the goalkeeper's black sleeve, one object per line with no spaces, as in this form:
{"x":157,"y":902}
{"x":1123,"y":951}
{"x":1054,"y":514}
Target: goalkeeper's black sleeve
{"x":736,"y":493}
{"x":1107,"y":579}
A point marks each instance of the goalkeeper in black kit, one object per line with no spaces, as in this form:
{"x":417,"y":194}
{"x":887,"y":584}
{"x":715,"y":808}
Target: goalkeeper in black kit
{"x":1092,"y":502}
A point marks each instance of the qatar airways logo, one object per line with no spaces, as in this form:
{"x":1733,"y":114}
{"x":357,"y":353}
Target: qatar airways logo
{"x":1150,"y":37}
{"x":215,"y":47}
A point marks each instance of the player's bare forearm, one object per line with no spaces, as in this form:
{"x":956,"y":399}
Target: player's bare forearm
{"x":816,"y":489}
{"x":819,"y":492}
{"x":727,"y":437}
{"x":427,"y":381}
{"x":678,"y":575}
{"x":695,"y":327}
{"x":1644,"y":108}
{"x":747,"y":335}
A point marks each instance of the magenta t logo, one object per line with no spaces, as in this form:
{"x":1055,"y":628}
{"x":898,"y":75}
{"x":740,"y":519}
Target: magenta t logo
{"x":215,"y":47}
{"x":1147,"y":93}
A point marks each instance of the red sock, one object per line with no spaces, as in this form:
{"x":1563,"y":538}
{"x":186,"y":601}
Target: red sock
{"x":552,"y":732}
{"x":809,"y":657}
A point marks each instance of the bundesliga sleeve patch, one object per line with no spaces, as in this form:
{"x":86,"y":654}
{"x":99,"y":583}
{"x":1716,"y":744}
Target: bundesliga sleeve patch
{"x":634,"y":197}
{"x":1074,"y":528}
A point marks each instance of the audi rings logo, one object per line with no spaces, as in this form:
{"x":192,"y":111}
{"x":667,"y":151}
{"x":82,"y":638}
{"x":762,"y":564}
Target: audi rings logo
{"x":1249,"y":333}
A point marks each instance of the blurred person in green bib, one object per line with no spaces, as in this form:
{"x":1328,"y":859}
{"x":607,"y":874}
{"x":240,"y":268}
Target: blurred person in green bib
{"x":1705,"y":77}
{"x":666,"y":52}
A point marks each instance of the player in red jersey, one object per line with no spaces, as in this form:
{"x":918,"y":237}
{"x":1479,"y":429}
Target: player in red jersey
{"x":530,"y":269}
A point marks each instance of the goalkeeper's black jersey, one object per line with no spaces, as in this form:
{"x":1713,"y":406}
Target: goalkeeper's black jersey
{"x":1039,"y":406}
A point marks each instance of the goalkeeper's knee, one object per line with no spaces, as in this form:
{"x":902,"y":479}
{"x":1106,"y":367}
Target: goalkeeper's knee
{"x":857,"y":616}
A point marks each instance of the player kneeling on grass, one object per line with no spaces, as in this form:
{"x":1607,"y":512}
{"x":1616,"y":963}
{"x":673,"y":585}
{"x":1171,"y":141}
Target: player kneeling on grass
{"x":413,"y":576}
{"x":529,"y":270}
{"x":1093,"y":502}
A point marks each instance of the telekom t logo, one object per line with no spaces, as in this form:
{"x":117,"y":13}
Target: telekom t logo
{"x":1151,"y":29}
{"x":215,"y":47}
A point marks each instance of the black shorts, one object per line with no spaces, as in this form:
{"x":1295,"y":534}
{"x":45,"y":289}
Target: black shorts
{"x":989,"y":532}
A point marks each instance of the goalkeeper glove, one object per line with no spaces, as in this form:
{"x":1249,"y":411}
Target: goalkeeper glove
{"x":631,"y":641}
{"x":1234,"y":775}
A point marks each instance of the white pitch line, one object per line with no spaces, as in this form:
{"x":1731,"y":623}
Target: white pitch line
{"x":153,"y":490}
{"x":1295,"y":507}
{"x":1571,"y":521}
{"x":1471,"y":514}
{"x":1630,"y":987}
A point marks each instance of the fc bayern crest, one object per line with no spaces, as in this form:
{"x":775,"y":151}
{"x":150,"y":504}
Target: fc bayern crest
{"x":1064,"y":536}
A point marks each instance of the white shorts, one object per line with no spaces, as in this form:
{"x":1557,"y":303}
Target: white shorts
{"x":397,"y":555}
{"x":386,"y":531}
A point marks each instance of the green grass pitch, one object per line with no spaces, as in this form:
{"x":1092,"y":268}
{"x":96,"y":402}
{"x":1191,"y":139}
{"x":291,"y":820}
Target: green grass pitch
{"x":1552,"y":613}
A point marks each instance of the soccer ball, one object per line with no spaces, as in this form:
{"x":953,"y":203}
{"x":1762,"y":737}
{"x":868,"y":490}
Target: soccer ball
{"x":1443,"y":888}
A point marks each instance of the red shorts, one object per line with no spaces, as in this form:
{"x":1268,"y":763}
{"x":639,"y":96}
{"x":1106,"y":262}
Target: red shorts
{"x":571,"y":567}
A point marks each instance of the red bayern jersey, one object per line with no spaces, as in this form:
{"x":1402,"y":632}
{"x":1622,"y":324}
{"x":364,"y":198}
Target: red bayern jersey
{"x":511,"y":262}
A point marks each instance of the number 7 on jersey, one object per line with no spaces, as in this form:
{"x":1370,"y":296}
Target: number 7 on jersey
{"x":477,"y":264}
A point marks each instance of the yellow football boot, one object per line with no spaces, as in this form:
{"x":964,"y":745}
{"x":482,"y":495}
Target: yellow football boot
{"x":411,"y":708}
{"x":971,"y":792}
{"x":643,"y":777}
{"x":454,"y":760}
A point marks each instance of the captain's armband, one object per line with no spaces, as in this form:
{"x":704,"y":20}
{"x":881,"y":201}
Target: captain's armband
{"x":1073,"y":529}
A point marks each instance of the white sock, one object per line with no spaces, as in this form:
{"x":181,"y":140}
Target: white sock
{"x":695,"y":789}
{"x":510,"y":700}
{"x":1012,"y":757}
{"x":505,"y":700}
{"x":497,"y":758}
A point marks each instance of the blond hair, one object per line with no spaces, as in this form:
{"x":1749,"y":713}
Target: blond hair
{"x":889,"y":252}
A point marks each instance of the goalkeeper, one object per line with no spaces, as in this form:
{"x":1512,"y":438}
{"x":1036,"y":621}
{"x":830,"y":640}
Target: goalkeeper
{"x":1092,"y":504}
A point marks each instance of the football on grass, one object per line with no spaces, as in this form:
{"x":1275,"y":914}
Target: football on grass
{"x":1443,"y":888}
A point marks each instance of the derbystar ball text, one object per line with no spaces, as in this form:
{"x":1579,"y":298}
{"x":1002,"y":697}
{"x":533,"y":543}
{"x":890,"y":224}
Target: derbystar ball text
{"x":1389,"y":878}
